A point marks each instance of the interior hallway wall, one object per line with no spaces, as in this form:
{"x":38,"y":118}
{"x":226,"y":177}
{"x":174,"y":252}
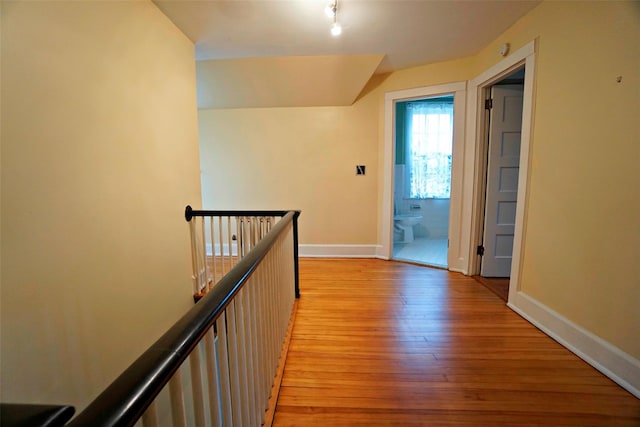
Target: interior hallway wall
{"x":582,"y":236}
{"x":99,"y":158}
{"x":295,"y":158}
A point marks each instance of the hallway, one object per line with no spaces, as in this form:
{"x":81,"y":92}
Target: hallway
{"x":384,"y":343}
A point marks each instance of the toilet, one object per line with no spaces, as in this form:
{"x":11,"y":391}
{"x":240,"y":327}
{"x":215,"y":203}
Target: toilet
{"x":405,"y":223}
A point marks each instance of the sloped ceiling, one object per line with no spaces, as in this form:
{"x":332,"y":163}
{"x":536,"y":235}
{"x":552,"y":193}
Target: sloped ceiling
{"x":283,"y":81}
{"x":241,"y":44}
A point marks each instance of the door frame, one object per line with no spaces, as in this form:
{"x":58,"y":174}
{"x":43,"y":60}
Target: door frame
{"x":476,"y":149}
{"x":467,"y":198}
{"x":458,"y":89}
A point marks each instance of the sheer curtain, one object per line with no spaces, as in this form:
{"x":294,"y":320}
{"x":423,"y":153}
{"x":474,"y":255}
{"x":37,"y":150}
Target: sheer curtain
{"x":429,"y":146}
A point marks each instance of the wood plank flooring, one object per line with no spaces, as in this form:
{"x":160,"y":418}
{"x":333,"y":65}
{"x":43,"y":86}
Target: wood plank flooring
{"x":499,"y":286}
{"x":384,"y":343}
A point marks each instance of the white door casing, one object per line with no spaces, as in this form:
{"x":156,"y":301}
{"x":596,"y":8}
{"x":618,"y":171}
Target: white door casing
{"x":505,"y":128}
{"x":455,"y":258}
{"x":468,"y":198}
{"x":476,"y":157}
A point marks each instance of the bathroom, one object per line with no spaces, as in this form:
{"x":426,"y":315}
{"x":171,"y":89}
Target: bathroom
{"x":421,"y":199}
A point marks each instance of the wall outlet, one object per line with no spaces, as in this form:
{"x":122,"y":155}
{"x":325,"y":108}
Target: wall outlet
{"x":360,"y":169}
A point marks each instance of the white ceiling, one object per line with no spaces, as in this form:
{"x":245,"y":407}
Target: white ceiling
{"x":406,"y":33}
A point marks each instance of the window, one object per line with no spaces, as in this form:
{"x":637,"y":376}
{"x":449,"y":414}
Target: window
{"x":429,"y":146}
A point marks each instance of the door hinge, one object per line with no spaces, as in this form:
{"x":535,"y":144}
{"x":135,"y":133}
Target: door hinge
{"x":488,"y":104}
{"x":480,"y":250}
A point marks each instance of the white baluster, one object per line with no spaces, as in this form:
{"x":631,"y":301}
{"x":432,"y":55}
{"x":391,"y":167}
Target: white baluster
{"x":214,"y":266}
{"x":196,"y":387}
{"x":243,"y":357}
{"x":178,"y":414}
{"x":252,"y":351}
{"x":150,"y":416}
{"x":234,"y":364}
{"x":239,"y":237}
{"x":205,"y":273}
{"x":254,"y":313}
{"x":230,"y":243}
{"x":213,"y":380}
{"x":194,"y":262}
{"x":222,"y":350}
{"x":273,"y":285}
{"x":220,"y":242}
{"x":263,"y":325}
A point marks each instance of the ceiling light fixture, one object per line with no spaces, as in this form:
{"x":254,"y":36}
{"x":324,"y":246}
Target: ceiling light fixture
{"x":332,"y":12}
{"x":336,"y":29}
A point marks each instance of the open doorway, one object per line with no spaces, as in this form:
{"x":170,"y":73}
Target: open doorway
{"x":454,"y":256}
{"x":476,"y":162}
{"x":466,"y":212}
{"x":503,"y":119}
{"x":422,"y":179}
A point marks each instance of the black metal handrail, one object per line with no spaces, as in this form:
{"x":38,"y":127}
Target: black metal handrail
{"x":189,"y":213}
{"x":124,"y":401}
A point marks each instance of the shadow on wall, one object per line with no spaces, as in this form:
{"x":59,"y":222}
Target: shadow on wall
{"x":374,"y":82}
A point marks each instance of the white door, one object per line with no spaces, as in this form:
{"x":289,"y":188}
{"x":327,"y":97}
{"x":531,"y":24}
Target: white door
{"x":505,"y":126}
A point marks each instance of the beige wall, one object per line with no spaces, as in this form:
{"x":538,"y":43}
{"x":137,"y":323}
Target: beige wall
{"x":305,"y":158}
{"x":99,"y":158}
{"x":582,"y":238}
{"x":295,"y":158}
{"x":582,"y":232}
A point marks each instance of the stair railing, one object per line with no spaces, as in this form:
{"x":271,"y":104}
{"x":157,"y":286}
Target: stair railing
{"x":220,"y":238}
{"x":219,"y":360}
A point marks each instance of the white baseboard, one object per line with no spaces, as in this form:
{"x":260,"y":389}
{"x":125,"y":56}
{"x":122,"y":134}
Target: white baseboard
{"x":225,"y":248}
{"x":621,"y":367}
{"x":338,"y":251}
{"x":458,"y":270}
{"x":315,"y":251}
{"x":348,"y":251}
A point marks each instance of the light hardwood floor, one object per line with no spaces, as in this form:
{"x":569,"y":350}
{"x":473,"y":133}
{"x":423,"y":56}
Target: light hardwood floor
{"x":497,"y":285}
{"x":384,"y":343}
